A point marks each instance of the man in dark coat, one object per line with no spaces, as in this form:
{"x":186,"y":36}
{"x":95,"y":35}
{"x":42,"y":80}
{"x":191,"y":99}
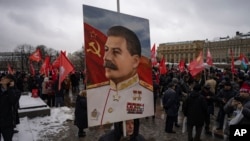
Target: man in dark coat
{"x":132,"y":132}
{"x":8,"y":100}
{"x":170,"y":104}
{"x":209,"y":96}
{"x":195,"y":109}
{"x":222,"y":98}
{"x":81,"y":120}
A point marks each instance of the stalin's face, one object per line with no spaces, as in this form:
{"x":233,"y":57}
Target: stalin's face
{"x":118,"y":62}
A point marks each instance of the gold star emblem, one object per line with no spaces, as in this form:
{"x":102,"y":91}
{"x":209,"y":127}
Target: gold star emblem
{"x":116,"y":97}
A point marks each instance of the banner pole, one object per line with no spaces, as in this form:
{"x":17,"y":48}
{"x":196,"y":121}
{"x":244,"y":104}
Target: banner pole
{"x":124,"y":128}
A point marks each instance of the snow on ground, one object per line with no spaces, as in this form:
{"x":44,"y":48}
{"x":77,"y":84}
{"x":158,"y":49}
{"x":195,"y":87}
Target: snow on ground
{"x":38,"y":128}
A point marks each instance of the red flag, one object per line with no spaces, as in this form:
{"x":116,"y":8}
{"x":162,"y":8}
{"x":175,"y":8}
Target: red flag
{"x":232,"y":62}
{"x":65,"y":68}
{"x":10,"y":70}
{"x":209,"y":58}
{"x":181,"y":65}
{"x":145,"y":69}
{"x":45,"y":66}
{"x":36,"y":56}
{"x":196,"y":66}
{"x":153,"y":56}
{"x":56,"y":63}
{"x":163,"y":68}
{"x":94,"y":50}
{"x":243,"y":57}
{"x":32,"y":70}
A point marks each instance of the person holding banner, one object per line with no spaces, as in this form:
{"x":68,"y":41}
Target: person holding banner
{"x":132,"y":131}
{"x":125,"y":96}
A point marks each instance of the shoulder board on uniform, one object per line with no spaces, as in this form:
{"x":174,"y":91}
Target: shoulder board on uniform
{"x":146,"y":85}
{"x":98,"y":85}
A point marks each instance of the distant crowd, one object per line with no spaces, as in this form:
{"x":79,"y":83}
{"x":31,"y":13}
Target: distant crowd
{"x":198,"y":96}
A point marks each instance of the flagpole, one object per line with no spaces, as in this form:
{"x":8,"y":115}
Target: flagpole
{"x":124,"y":122}
{"x":118,"y":6}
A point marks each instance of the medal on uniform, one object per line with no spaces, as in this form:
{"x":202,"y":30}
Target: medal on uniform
{"x":135,"y":108}
{"x":94,"y":114}
{"x":137,"y":95}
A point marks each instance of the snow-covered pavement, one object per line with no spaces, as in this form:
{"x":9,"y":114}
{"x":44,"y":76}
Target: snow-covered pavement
{"x":39,"y":128}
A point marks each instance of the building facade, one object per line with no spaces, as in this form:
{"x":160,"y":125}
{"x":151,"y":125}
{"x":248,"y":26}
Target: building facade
{"x":12,"y":59}
{"x":219,"y":49}
{"x":175,"y":51}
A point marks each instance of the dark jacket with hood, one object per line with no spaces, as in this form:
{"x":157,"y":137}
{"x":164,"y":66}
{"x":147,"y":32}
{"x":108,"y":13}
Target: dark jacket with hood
{"x":117,"y":133}
{"x":195,"y":109}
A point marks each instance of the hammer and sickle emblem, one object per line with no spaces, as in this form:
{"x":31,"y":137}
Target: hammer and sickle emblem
{"x":95,"y":49}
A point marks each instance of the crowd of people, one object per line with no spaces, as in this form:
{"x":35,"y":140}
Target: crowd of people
{"x":200,"y":95}
{"x":45,"y":87}
{"x":197,"y":97}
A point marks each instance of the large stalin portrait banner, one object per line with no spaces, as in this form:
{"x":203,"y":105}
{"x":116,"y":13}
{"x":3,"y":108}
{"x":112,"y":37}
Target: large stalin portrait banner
{"x":119,"y":73}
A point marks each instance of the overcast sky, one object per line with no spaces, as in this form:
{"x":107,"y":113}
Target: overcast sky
{"x":58,"y":24}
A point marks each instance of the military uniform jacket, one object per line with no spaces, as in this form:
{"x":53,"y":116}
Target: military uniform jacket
{"x":110,"y":103}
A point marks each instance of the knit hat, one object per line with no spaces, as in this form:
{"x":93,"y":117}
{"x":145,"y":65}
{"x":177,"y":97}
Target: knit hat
{"x":245,"y":88}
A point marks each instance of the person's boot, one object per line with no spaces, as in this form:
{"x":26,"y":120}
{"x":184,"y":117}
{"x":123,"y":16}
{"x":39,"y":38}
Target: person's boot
{"x":177,"y":125}
{"x":207,"y":131}
{"x":81,"y":134}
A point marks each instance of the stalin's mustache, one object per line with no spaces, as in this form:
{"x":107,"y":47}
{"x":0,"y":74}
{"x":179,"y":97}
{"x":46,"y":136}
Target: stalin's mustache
{"x":110,"y":65}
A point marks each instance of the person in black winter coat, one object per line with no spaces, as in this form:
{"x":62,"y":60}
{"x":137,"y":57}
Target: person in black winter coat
{"x":209,"y":96}
{"x":195,"y":109}
{"x":8,"y":100}
{"x":170,"y":104}
{"x":132,"y":132}
{"x":222,"y":98}
{"x":81,"y":119}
